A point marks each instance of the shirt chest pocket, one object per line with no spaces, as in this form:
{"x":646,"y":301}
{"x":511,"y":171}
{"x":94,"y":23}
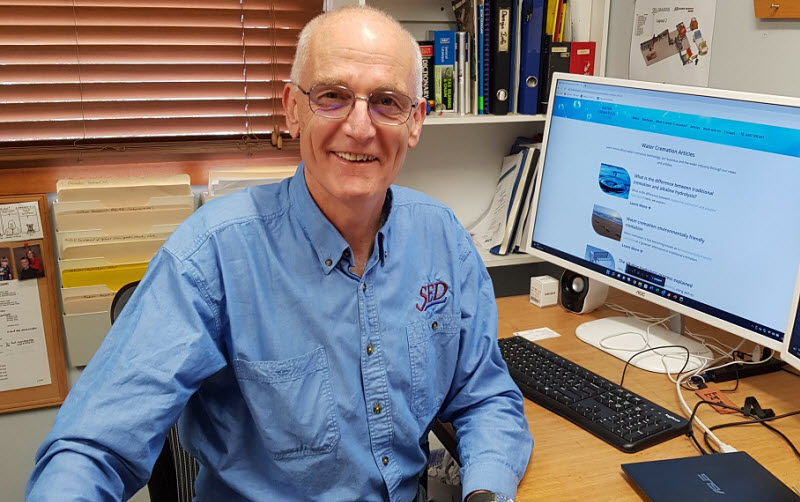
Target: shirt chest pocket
{"x":433,"y":352}
{"x":292,"y":402}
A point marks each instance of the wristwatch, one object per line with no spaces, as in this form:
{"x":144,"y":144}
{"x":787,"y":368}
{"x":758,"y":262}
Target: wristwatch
{"x":488,"y":497}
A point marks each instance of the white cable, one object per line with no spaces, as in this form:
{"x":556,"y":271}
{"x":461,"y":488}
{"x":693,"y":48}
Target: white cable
{"x":723,"y":447}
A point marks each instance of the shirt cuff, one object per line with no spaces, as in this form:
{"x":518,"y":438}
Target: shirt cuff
{"x":493,"y":476}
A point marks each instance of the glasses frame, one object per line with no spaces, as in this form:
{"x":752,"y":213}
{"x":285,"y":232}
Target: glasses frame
{"x":414,"y":103}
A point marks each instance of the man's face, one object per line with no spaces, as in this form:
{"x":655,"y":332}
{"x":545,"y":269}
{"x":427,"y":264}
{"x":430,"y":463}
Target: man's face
{"x":25,"y":263}
{"x":363,"y":57}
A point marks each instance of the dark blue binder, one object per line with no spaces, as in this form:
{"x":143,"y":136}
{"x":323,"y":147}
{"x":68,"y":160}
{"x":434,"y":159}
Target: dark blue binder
{"x":530,"y":55}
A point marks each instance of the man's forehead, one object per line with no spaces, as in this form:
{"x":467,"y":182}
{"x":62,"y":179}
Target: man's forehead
{"x":341,"y":53}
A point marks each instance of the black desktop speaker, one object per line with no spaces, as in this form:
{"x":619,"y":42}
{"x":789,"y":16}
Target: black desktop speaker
{"x":580,"y":294}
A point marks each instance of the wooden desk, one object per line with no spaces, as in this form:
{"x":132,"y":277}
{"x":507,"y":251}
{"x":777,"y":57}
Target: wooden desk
{"x":569,"y":463}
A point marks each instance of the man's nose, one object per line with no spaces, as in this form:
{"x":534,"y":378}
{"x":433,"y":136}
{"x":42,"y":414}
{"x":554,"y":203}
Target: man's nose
{"x":359,"y":123}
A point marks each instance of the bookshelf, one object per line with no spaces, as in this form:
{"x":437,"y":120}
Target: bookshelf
{"x":451,"y":119}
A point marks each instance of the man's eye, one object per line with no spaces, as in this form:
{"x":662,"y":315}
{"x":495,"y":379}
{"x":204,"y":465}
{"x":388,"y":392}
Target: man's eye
{"x":333,"y":95}
{"x":387,"y":100}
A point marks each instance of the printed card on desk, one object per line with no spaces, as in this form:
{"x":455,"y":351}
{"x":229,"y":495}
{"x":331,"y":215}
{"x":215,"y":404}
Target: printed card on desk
{"x":534,"y":335}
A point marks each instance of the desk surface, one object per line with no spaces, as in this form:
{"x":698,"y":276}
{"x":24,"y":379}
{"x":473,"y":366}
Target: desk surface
{"x":569,"y":463}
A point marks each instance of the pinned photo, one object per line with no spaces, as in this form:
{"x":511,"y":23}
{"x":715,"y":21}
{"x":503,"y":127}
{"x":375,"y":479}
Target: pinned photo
{"x":607,"y":222}
{"x":6,"y":267}
{"x":28,"y":261}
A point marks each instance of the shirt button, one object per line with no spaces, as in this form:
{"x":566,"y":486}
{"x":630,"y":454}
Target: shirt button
{"x":385,"y":460}
{"x":370,"y":349}
{"x":435,"y":325}
{"x":364,"y":287}
{"x":377,"y":408}
{"x":328,"y":262}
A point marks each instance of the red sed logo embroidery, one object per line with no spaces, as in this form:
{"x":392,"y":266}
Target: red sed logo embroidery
{"x":432,"y":294}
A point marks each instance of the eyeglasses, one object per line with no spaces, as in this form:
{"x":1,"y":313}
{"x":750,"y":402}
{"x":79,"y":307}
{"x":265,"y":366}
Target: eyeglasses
{"x":336,"y":102}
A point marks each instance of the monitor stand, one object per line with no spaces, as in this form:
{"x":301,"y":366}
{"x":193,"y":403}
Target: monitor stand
{"x":623,"y":337}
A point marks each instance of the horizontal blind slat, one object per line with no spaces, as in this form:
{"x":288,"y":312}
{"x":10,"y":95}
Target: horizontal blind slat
{"x":146,"y":35}
{"x":141,"y":54}
{"x":138,"y":128}
{"x":56,"y":93}
{"x":99,"y":73}
{"x":164,"y":17}
{"x":138,"y":109}
{"x":291,"y":5}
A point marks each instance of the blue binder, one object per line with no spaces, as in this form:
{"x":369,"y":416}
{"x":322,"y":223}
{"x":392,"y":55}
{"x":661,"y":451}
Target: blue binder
{"x":530,"y":55}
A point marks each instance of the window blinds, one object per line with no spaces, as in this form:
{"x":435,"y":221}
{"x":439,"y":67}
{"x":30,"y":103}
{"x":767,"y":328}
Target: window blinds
{"x":122,"y":71}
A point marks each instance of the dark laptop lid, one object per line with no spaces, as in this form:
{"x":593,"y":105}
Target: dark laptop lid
{"x":723,"y":477}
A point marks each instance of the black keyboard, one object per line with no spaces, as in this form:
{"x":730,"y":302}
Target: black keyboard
{"x":607,"y":410}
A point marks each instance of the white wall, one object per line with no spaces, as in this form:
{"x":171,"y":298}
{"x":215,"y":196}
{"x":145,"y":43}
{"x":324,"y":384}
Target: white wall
{"x":748,"y":54}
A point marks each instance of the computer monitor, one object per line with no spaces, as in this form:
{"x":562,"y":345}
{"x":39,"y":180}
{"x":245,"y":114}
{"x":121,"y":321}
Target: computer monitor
{"x":791,"y":341}
{"x":684,"y":196}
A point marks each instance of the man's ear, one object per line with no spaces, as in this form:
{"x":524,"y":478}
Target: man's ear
{"x":290,"y":110}
{"x":415,"y":123}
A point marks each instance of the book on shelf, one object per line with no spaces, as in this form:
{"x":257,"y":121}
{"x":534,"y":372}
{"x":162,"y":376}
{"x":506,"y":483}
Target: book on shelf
{"x":532,"y":24}
{"x":444,"y":67}
{"x":462,"y":72}
{"x":486,"y":55}
{"x":498,"y":229}
{"x":520,"y":200}
{"x":500,"y":57}
{"x":426,"y":48}
{"x":581,"y":58}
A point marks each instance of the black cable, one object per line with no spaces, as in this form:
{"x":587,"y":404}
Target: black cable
{"x":762,"y":421}
{"x":735,"y":386}
{"x":696,"y":443}
{"x":782,"y":435}
{"x":754,"y":420}
{"x":685,"y":363}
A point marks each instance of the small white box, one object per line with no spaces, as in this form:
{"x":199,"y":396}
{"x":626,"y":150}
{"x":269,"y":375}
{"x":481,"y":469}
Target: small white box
{"x":544,"y":291}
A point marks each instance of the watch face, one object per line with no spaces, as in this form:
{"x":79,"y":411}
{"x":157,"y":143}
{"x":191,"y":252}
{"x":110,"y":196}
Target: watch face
{"x":489,"y":497}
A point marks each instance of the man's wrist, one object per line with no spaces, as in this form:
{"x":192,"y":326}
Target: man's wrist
{"x":487,"y":496}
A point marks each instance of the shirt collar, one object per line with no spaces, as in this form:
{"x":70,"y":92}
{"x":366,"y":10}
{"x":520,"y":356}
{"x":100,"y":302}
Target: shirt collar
{"x":326,"y":241}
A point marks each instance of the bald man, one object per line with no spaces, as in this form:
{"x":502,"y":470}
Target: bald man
{"x":307,"y":333}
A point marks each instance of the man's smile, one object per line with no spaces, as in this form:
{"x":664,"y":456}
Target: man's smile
{"x":355,"y":157}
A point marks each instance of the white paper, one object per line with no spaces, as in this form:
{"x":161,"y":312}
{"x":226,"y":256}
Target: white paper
{"x":671,"y":41}
{"x":20,"y":222}
{"x":537,"y":334}
{"x":488,"y":232}
{"x":23,"y":351}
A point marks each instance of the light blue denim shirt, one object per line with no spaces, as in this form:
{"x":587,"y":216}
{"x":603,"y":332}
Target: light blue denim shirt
{"x":294,"y":379}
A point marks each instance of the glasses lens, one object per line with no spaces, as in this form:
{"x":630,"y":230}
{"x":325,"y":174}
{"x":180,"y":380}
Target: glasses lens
{"x":389,"y":107}
{"x":331,"y":100}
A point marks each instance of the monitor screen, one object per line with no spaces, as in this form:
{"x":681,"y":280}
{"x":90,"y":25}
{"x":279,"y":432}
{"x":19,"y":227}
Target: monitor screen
{"x":791,"y":342}
{"x":685,"y":196}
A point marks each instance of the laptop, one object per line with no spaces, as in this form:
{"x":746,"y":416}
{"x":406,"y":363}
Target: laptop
{"x":721,"y":477}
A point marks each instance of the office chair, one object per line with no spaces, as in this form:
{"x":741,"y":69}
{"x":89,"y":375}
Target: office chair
{"x":175,"y":469}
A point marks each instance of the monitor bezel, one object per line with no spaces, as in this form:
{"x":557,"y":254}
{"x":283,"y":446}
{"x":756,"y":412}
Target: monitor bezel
{"x":787,"y":356}
{"x":646,"y":295}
